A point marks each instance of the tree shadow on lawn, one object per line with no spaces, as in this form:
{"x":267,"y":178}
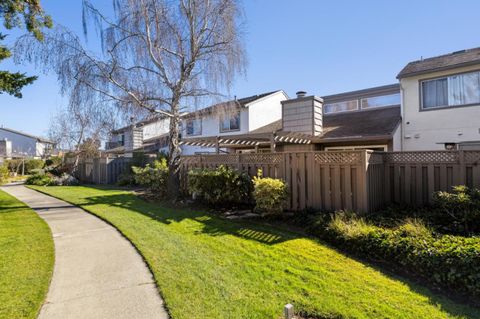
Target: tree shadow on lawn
{"x":211,"y":224}
{"x":270,"y":235}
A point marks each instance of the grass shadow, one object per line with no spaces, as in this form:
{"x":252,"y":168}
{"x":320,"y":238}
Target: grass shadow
{"x":211,"y":224}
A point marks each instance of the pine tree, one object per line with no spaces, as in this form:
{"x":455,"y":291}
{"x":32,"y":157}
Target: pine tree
{"x":26,"y":14}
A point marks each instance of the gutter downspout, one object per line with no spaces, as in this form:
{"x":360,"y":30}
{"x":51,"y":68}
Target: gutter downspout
{"x":402,"y":114}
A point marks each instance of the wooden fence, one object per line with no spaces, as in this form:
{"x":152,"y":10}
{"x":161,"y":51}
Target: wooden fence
{"x":359,"y":180}
{"x":321,"y":180}
{"x":102,"y":170}
{"x":354,"y":180}
{"x":412,"y":177}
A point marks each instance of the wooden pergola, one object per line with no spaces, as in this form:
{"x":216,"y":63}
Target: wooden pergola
{"x":253,"y":140}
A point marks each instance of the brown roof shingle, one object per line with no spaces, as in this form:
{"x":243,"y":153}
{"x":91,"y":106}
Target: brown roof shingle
{"x":442,"y":62}
{"x":361,"y":124}
{"x":374,"y":123}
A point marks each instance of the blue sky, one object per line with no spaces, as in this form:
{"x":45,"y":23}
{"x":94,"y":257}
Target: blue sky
{"x":323,"y":47}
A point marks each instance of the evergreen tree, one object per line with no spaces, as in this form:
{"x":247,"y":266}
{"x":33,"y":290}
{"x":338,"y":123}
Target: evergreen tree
{"x":26,"y":14}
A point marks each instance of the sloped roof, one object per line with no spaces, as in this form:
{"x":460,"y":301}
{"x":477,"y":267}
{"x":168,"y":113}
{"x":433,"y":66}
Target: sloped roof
{"x":269,"y":128}
{"x":442,"y":62}
{"x":227,"y":105}
{"x":363,"y":93}
{"x":38,"y":138}
{"x":380,"y":122}
{"x":374,"y":123}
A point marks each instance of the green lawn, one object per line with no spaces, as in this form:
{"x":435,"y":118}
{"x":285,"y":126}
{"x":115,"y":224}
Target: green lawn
{"x":26,"y":259}
{"x":206,"y":267}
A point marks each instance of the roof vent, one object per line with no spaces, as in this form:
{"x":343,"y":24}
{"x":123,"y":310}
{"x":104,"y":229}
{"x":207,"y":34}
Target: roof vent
{"x":301,"y":94}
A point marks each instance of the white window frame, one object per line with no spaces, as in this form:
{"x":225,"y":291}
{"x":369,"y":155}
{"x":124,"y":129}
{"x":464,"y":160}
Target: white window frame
{"x":346,"y":101}
{"x":230,"y":115}
{"x":377,"y":107}
{"x":448,"y":106}
{"x":193,"y":120}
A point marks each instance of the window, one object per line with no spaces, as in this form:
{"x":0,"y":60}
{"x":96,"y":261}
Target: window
{"x":341,"y":106}
{"x":194,"y":127}
{"x":435,"y":93}
{"x":455,"y":90}
{"x":380,"y":101}
{"x":230,"y":122}
{"x":122,"y":139}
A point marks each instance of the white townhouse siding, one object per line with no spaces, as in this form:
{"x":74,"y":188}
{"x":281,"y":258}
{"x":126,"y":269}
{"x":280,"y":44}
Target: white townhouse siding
{"x":396,"y":145}
{"x":157,"y":128}
{"x":257,"y":112}
{"x":210,"y":125}
{"x":265,"y":110}
{"x":427,"y":125}
{"x":23,"y":144}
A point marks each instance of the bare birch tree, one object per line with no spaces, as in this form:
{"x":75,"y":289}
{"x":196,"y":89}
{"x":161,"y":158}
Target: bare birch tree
{"x":159,"y":56}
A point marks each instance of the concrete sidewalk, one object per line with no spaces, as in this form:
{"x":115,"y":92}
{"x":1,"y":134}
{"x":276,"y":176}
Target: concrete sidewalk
{"x":98,"y":273}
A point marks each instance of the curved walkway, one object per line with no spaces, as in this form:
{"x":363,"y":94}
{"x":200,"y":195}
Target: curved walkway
{"x":98,"y":273}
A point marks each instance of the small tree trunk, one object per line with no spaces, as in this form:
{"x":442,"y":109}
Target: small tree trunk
{"x":173,"y":185}
{"x":73,"y":172}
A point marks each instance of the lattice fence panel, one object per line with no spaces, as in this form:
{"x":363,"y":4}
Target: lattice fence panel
{"x":439,"y":157}
{"x":220,"y":159}
{"x":375,"y":158}
{"x":472,"y":157}
{"x":272,"y":158}
{"x":338,"y":157}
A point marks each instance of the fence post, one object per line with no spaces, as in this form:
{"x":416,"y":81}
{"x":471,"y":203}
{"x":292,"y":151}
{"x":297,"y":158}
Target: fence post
{"x":462,"y":167}
{"x":363,"y":185}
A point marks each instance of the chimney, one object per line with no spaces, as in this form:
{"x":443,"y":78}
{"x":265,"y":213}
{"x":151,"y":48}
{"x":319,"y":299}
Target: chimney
{"x":137,"y":137}
{"x":301,"y":94}
{"x":303,"y":114}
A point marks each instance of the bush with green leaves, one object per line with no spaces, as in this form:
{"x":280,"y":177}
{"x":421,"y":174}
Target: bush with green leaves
{"x":153,"y":176}
{"x":460,"y":209}
{"x":33,"y":164}
{"x":40,"y":180}
{"x":220,"y":186}
{"x":3,"y":173}
{"x":54,"y":161}
{"x":269,"y":194}
{"x":452,"y":262}
{"x":126,"y":179}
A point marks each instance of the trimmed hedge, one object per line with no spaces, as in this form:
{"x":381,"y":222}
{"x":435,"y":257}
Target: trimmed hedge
{"x":220,"y":186}
{"x":452,"y":262}
{"x":153,"y":177}
{"x":269,"y":194}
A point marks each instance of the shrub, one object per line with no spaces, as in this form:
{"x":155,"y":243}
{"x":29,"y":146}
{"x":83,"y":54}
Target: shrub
{"x":153,"y":177}
{"x":40,"y":180}
{"x":220,"y":186}
{"x":33,"y":164}
{"x":54,"y":161}
{"x":3,"y":173}
{"x":126,"y":179}
{"x":65,"y":180}
{"x":269,"y":194}
{"x":14,"y":165}
{"x":139,"y":159}
{"x":460,"y":208}
{"x":449,"y":261}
